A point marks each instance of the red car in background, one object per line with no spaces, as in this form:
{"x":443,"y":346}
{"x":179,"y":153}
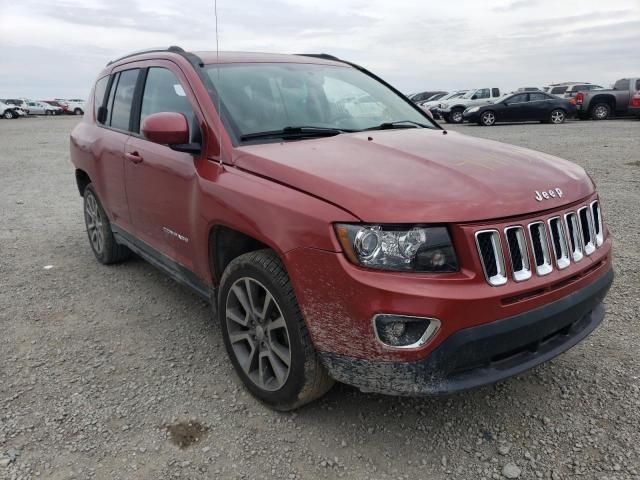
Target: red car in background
{"x":339,"y":233}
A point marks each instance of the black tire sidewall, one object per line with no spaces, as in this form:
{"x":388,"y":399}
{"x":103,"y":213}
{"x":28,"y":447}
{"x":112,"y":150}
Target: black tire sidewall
{"x":107,"y":236}
{"x":294,"y":384}
{"x":452,"y":114}
{"x":482,"y":122}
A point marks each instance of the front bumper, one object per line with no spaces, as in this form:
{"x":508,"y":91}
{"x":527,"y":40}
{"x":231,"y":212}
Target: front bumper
{"x":483,"y":354}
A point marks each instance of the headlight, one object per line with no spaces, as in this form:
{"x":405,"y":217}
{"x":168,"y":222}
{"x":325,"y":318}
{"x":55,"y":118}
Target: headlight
{"x":473,"y":109}
{"x":401,"y":248}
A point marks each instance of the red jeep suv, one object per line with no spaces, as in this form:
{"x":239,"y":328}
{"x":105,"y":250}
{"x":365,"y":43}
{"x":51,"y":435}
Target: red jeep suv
{"x":339,"y":232}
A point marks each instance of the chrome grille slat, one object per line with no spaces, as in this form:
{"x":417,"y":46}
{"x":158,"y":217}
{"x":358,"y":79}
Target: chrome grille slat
{"x":537,"y":234}
{"x":586,"y":228}
{"x":492,"y":259}
{"x":597,"y":222}
{"x":518,"y":253}
{"x":558,"y":241}
{"x":575,"y":239}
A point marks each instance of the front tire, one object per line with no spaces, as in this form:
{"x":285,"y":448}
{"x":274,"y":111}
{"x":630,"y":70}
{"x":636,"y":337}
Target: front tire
{"x":9,"y":115}
{"x":487,"y":119}
{"x":455,"y":116}
{"x":557,"y":116}
{"x":103,"y":243}
{"x":78,"y":111}
{"x":600,"y":111}
{"x":265,"y":334}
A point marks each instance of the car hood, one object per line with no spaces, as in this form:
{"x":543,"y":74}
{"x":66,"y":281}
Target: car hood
{"x":418,"y":175}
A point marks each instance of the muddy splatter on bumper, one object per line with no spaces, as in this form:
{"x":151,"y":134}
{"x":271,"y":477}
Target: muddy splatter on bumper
{"x":483,"y":354}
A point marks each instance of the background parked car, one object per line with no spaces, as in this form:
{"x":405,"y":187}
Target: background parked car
{"x":569,"y":89}
{"x":451,"y":110}
{"x":601,"y":104}
{"x":634,"y":107}
{"x":75,"y":106}
{"x":8,"y":111}
{"x":18,"y":102}
{"x":432,"y":105}
{"x":424,"y":96}
{"x":41,"y":108}
{"x":522,"y":107}
{"x":56,"y":103}
{"x":528,"y":89}
{"x":572,"y":90}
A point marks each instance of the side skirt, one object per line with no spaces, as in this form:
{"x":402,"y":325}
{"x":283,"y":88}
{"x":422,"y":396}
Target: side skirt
{"x":180,"y":274}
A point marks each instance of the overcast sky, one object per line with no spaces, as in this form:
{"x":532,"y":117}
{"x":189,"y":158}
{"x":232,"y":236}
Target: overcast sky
{"x":52,"y":48}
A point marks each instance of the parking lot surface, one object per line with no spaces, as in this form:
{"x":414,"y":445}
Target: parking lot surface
{"x":118,"y":372}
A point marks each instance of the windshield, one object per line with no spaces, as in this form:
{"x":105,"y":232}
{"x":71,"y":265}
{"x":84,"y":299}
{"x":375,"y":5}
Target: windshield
{"x":469,"y":94}
{"x":266,"y":97}
{"x":453,"y":95}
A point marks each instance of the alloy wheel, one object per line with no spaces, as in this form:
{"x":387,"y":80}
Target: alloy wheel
{"x":456,"y":117}
{"x":557,"y":116}
{"x":600,"y":112}
{"x":488,"y":119}
{"x":258,"y":334}
{"x":94,"y":221}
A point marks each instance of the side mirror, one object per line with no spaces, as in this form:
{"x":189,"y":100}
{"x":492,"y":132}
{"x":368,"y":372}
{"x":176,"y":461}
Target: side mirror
{"x":166,"y":128}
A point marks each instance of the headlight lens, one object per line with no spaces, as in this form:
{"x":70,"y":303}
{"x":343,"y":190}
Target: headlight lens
{"x":401,"y":248}
{"x":473,"y":109}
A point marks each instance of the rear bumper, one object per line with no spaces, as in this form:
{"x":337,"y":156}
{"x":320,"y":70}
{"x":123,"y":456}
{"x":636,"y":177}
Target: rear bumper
{"x":483,"y":354}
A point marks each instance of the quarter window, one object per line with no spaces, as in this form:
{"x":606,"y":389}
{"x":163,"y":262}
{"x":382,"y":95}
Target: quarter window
{"x":163,"y":92}
{"x":98,"y":95}
{"x":495,"y":92}
{"x":123,"y":99}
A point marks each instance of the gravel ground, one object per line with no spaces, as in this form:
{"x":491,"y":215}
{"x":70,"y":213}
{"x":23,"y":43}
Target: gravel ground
{"x":118,"y":372}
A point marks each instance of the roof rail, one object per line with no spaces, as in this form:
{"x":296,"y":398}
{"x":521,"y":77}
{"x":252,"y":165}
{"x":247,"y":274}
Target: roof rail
{"x":173,"y":48}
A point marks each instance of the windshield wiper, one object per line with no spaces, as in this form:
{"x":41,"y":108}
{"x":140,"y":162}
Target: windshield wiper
{"x":398,"y":124}
{"x":296,"y":132}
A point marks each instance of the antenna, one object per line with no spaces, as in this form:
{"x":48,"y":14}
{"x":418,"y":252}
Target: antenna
{"x":219,"y":106}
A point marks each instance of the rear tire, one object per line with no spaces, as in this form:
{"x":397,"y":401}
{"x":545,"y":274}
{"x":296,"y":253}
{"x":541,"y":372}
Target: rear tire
{"x":600,"y":111}
{"x":101,"y":238}
{"x":78,"y":111}
{"x":263,"y":328}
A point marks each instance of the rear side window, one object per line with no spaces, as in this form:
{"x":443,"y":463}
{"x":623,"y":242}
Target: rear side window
{"x":558,"y":90}
{"x":99,"y":92}
{"x":495,"y":92}
{"x":536,"y":97}
{"x":163,"y":92}
{"x":637,"y":84}
{"x":622,"y":84}
{"x":123,"y":99}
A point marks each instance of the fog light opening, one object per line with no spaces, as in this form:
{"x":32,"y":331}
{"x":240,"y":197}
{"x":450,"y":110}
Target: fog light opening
{"x":399,"y":331}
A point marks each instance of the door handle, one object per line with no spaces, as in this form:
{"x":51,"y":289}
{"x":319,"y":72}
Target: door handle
{"x":133,"y":156}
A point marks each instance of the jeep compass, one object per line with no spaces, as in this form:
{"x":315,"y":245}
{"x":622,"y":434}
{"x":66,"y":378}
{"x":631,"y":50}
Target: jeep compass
{"x":339,"y":233}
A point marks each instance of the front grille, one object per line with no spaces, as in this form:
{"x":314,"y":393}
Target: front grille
{"x":557,"y":242}
{"x":490,"y":250}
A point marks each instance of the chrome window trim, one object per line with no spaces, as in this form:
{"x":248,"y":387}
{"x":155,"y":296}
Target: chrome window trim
{"x":500,"y":278}
{"x":525,"y":272}
{"x":562,"y":257}
{"x":546,"y":268}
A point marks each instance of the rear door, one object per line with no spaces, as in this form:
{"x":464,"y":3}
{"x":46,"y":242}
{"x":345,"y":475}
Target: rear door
{"x":162,"y":183}
{"x":109,"y":143}
{"x":539,"y":108}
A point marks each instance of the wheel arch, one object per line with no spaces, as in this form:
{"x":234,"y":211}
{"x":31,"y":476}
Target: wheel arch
{"x":603,"y":98}
{"x":82,"y":180}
